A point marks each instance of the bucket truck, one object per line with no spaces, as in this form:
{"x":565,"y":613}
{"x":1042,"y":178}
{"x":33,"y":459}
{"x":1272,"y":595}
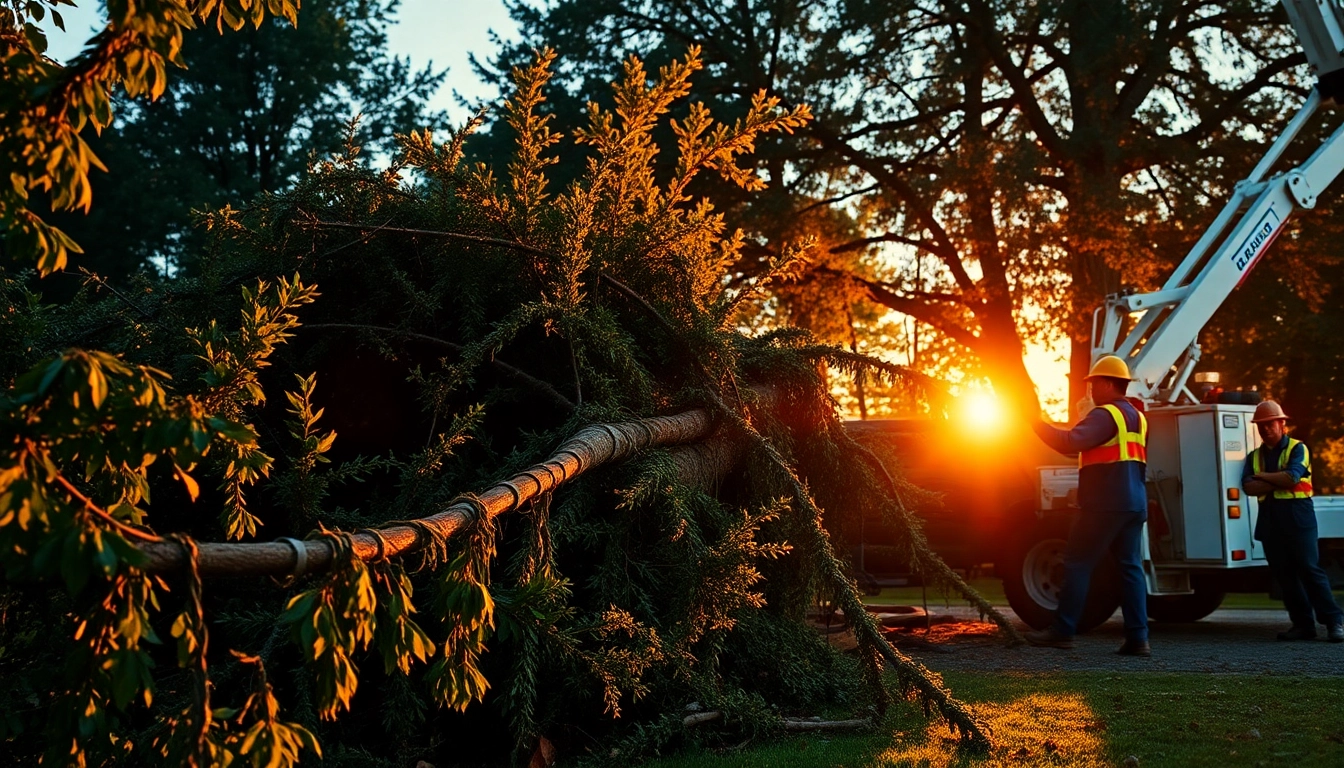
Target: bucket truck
{"x":1198,"y":544}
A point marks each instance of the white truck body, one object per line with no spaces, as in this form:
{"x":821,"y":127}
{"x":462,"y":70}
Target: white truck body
{"x":1199,"y":520}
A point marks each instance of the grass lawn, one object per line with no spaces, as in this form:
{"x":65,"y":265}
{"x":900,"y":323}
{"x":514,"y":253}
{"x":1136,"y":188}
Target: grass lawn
{"x":992,"y":590}
{"x":1087,"y":719}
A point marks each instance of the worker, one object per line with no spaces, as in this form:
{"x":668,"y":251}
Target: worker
{"x":1279,"y":472}
{"x":1111,"y":441}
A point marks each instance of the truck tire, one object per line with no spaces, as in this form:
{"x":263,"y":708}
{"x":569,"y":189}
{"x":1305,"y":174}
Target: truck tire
{"x":1183,"y":609}
{"x":1033,"y":572}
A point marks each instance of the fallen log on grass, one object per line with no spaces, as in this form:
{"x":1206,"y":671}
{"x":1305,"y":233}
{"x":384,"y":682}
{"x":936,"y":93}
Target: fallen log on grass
{"x":808,"y":724}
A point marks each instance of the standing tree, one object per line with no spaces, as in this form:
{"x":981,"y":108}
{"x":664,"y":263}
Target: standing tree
{"x":998,"y":167}
{"x":246,"y":116}
{"x":45,"y":107}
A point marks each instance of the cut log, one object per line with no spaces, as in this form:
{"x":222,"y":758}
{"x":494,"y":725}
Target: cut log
{"x":701,"y":717}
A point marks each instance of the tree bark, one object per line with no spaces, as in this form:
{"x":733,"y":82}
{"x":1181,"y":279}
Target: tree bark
{"x":592,"y":446}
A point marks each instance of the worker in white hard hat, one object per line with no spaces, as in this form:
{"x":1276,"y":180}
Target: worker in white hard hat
{"x":1111,"y":441}
{"x":1279,"y":472}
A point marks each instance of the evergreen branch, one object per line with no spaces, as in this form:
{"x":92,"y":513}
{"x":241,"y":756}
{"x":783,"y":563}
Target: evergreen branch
{"x":510,"y":244}
{"x":97,"y":279}
{"x":518,"y":374}
{"x":898,"y":516}
{"x":653,"y":312}
{"x":634,"y":296}
{"x":908,"y":671}
{"x":852,"y":362}
{"x":866,"y":629}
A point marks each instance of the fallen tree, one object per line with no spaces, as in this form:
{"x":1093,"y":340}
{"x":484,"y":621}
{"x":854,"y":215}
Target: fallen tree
{"x":588,"y":332}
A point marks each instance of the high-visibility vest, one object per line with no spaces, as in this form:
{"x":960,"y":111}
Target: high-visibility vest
{"x":1303,"y":488}
{"x":1125,"y":446}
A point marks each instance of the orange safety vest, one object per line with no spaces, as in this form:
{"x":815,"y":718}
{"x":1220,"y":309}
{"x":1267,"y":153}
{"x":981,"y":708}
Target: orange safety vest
{"x":1125,"y":446}
{"x":1303,"y":488}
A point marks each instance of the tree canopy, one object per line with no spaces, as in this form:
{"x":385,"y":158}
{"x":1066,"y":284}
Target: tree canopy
{"x":990,"y":170}
{"x":45,"y":107}
{"x":246,"y":116}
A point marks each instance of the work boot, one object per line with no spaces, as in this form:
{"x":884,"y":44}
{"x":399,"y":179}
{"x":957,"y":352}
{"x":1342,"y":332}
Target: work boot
{"x":1298,"y":633}
{"x":1335,"y":633}
{"x":1134,"y":648}
{"x":1048,"y":638}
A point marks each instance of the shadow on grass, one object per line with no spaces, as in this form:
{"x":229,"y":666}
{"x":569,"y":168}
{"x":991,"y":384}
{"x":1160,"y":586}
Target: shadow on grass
{"x":1089,"y":719}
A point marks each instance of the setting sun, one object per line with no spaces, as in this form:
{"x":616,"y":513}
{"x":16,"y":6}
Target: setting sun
{"x":982,"y":412}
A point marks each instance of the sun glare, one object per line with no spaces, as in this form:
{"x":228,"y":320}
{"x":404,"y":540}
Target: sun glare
{"x":982,"y":412}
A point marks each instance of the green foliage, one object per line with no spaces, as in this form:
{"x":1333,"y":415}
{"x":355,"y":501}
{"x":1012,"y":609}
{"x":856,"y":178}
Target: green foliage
{"x":86,"y":428}
{"x":399,"y":639}
{"x":332,"y":621}
{"x":465,"y":603}
{"x":245,"y":116}
{"x":234,"y":361}
{"x":60,"y":415}
{"x":257,"y":736}
{"x":233,"y":365}
{"x":45,"y":106}
{"x":467,"y":325}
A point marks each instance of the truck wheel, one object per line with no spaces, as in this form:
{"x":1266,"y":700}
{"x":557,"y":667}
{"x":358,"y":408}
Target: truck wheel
{"x":1033,"y":573}
{"x":1182,"y":609}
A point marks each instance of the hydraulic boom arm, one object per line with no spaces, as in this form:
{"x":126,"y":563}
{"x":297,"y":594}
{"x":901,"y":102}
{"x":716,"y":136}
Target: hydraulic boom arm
{"x":1162,"y":328}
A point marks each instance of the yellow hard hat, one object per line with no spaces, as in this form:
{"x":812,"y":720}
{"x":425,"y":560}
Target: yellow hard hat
{"x":1268,"y":411}
{"x":1111,"y":367}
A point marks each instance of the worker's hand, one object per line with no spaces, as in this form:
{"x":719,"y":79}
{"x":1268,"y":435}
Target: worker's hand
{"x":1254,"y":487}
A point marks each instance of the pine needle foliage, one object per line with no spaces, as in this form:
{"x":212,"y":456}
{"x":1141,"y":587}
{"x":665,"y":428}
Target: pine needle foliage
{"x":466,"y":325}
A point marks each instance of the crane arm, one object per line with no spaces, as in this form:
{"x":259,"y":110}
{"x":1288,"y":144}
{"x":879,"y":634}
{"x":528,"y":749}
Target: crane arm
{"x":1161,"y":329}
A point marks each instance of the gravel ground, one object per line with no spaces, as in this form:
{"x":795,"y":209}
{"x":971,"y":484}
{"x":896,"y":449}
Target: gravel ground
{"x":1229,"y":641}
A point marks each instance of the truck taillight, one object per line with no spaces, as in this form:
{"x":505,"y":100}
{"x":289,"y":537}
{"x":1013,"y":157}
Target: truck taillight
{"x":1238,"y":554}
{"x":1233,"y":494}
{"x":1234,"y":512}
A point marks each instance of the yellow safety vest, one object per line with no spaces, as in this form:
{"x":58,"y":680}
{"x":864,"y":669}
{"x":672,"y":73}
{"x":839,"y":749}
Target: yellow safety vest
{"x":1125,"y":446}
{"x":1303,"y":488}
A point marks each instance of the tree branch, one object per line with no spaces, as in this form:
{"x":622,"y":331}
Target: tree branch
{"x":914,"y":307}
{"x":981,"y":18}
{"x":521,"y":376}
{"x":511,"y":244}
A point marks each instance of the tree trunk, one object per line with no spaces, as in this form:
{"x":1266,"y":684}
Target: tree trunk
{"x":595,"y":445}
{"x":1297,"y":400}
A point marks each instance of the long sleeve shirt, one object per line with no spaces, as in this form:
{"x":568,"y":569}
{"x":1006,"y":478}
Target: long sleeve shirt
{"x":1281,"y":513}
{"x":1114,"y":487}
{"x":1296,"y":466}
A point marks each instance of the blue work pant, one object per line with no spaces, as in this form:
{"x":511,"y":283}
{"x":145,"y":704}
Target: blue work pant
{"x":1295,"y":560}
{"x":1091,"y":536}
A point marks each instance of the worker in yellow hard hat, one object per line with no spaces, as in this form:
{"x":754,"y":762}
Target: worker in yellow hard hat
{"x":1279,"y":472}
{"x":1111,"y":441}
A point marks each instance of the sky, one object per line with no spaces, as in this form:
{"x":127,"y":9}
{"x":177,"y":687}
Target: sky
{"x":443,"y":32}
